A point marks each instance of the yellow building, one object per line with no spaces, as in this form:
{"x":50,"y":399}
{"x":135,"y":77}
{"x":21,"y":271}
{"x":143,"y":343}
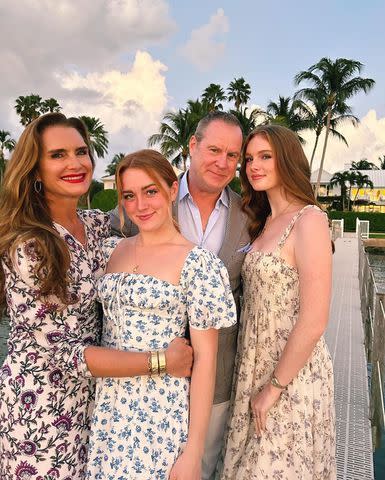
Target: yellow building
{"x":375,"y":195}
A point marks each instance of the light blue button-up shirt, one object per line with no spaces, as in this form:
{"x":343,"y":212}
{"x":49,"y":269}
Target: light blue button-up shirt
{"x":190,"y":223}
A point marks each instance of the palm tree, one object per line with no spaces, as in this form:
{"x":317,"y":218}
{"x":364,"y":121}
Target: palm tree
{"x":363,"y":164}
{"x":361,"y":181}
{"x":111,"y":168}
{"x":197,"y":110}
{"x":28,"y":107}
{"x":239,"y":91}
{"x":334,"y":81}
{"x":50,"y":105}
{"x":340,"y":179}
{"x":213,"y":95}
{"x":250,"y":121}
{"x":382,"y":162}
{"x":98,"y":135}
{"x":317,"y":117}
{"x":291,"y":114}
{"x":174,"y":135}
{"x":6,"y":143}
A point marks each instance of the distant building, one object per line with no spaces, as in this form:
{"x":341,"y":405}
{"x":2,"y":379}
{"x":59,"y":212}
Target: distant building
{"x":109,"y":182}
{"x":377,"y":193}
{"x":325,"y":189}
{"x":374,"y":196}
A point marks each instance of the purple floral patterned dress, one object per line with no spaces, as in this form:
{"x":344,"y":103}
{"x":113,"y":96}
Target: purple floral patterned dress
{"x":46,"y":389}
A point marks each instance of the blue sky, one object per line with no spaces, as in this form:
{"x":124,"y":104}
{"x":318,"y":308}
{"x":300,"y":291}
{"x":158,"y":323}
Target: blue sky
{"x":129,"y":61}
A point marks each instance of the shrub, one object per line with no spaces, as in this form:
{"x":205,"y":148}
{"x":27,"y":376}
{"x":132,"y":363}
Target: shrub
{"x":376,"y":220}
{"x":105,"y":200}
{"x":235,"y":185}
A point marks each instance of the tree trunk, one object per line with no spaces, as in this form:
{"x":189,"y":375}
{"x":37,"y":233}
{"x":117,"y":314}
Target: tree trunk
{"x":356,"y":195}
{"x":343,"y":196}
{"x":323,"y":151}
{"x":2,"y":166}
{"x":349,"y":195}
{"x":314,"y":149}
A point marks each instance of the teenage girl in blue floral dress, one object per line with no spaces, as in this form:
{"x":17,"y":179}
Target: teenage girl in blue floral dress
{"x":51,"y":258}
{"x":156,"y":283}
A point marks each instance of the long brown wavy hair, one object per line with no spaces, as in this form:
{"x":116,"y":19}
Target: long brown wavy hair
{"x":24,"y":213}
{"x":293,"y":170}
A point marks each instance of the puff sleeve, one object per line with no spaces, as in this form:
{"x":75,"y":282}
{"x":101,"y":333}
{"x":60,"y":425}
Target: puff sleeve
{"x":210,"y":302}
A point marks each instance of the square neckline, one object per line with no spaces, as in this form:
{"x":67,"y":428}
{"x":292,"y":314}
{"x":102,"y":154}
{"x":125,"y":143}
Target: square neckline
{"x":147,"y":275}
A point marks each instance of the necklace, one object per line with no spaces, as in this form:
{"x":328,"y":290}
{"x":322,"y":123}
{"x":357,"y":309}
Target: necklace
{"x":135,"y":268}
{"x":136,"y":265}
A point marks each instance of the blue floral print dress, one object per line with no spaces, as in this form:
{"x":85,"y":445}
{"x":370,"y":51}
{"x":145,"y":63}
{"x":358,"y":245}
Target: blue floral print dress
{"x":140,"y":424}
{"x":46,"y":389}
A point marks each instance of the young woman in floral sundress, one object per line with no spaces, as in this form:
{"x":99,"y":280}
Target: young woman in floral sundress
{"x":50,"y":259}
{"x":282,"y":423}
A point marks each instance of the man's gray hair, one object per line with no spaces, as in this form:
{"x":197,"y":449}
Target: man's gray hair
{"x":215,"y":115}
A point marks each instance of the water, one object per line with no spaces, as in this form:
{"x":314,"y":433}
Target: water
{"x":377,"y":262}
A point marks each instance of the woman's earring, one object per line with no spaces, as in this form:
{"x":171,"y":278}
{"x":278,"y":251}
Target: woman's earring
{"x":37,"y":186}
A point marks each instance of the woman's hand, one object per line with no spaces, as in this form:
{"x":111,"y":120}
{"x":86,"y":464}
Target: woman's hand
{"x":187,"y":467}
{"x":179,"y":358}
{"x":261,"y":403}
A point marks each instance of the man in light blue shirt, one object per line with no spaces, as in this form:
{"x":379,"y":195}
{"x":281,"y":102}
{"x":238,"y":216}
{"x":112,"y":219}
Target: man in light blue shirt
{"x":189,"y":219}
{"x":209,"y":215}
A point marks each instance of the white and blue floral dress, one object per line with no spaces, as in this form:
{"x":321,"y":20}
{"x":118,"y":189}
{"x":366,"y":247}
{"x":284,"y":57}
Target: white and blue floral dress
{"x":140,"y":424}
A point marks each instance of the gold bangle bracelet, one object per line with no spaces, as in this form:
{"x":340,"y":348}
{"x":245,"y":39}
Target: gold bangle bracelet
{"x":149,"y":363}
{"x":162,"y":361}
{"x":274,"y":381}
{"x":154,"y":363}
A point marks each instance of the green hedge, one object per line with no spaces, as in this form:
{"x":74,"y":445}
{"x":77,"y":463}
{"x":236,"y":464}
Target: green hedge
{"x":105,"y":200}
{"x":235,"y":185}
{"x":377,"y":220}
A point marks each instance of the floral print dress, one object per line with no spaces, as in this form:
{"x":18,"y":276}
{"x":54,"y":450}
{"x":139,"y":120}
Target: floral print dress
{"x":140,"y":424}
{"x":299,"y":441}
{"x":46,"y":389}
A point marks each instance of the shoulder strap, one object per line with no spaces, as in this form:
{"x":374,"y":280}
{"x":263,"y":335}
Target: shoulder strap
{"x":289,"y":228}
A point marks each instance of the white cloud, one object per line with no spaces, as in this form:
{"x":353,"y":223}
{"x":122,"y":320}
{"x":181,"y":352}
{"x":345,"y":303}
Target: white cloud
{"x":203,"y":49}
{"x":130,"y":104}
{"x":90,"y":56}
{"x":41,"y":38}
{"x":365,"y":141}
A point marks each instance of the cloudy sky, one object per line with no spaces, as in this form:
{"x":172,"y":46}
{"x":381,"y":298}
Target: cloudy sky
{"x":129,"y":61}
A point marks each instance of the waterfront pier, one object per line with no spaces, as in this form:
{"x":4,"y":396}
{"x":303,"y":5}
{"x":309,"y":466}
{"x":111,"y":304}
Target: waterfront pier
{"x":345,"y":338}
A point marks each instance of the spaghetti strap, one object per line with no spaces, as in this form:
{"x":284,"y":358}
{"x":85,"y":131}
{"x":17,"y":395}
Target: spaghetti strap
{"x":289,"y":228}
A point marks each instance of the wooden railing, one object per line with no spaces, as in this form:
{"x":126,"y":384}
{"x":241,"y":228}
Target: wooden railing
{"x":373,"y":315}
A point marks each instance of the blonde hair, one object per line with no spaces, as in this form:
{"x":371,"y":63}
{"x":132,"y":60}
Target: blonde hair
{"x":155,"y":165}
{"x":24,"y":213}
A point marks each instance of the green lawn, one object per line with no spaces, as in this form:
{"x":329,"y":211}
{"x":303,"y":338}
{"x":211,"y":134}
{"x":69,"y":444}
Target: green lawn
{"x":376,"y":235}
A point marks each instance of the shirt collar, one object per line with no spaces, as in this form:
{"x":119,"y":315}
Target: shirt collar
{"x":185,"y":192}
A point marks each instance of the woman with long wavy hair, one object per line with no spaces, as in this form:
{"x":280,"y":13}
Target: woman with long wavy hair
{"x":282,"y":423}
{"x":50,"y":260}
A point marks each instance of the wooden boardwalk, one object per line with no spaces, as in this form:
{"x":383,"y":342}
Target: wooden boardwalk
{"x":345,"y":338}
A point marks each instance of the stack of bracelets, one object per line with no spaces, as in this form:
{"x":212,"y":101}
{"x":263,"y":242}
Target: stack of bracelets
{"x":157,"y":363}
